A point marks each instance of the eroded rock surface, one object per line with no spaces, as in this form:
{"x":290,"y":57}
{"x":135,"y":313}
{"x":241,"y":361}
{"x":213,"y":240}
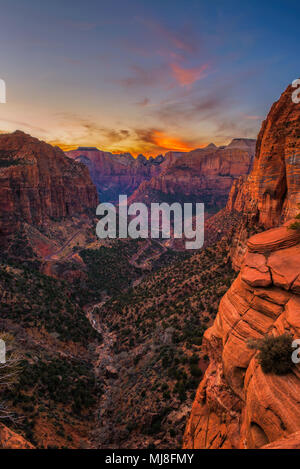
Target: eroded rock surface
{"x":270,"y":195}
{"x":237,"y":405}
{"x":11,"y":440}
{"x":39,"y":182}
{"x":204,"y":175}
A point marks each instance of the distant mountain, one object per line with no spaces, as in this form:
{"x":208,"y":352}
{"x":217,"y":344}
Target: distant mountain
{"x":202,"y":175}
{"x":38,"y":182}
{"x":115,"y":174}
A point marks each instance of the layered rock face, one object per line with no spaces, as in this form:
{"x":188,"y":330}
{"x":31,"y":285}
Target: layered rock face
{"x":37,"y":182}
{"x":116,"y":174}
{"x":237,"y":405}
{"x":11,"y":440}
{"x":270,"y":195}
{"x":205,"y":174}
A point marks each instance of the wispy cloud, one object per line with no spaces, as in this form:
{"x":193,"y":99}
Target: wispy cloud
{"x":188,"y":76}
{"x":181,"y":40}
{"x":156,"y":139}
{"x":144,"y":102}
{"x":24,"y":126}
{"x":191,"y":107}
{"x":81,"y":130}
{"x":170,"y":142}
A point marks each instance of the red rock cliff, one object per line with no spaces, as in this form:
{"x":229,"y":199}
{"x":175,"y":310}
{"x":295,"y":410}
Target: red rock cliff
{"x":38,"y":181}
{"x":206,"y":174}
{"x":11,"y":440}
{"x":272,"y":189}
{"x":237,"y":405}
{"x":116,"y":174}
{"x":270,"y":195}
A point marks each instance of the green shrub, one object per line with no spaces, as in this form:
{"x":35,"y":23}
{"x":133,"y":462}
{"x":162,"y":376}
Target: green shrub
{"x":296,"y":224}
{"x":275,"y":353}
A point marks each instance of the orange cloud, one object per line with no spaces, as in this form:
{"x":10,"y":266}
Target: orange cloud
{"x":169,"y":143}
{"x":63,"y":146}
{"x":188,"y":76}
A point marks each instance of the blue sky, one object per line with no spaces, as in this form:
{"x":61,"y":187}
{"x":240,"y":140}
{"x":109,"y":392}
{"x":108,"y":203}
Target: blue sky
{"x":145,"y":75}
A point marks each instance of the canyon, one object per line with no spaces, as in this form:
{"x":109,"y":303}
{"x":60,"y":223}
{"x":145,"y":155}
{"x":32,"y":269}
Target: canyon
{"x":237,"y":405}
{"x":204,"y":174}
{"x":115,"y":335}
{"x":115,"y":174}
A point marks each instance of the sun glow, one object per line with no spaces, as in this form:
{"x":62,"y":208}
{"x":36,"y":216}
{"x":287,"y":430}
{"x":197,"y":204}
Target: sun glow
{"x":170,"y":143}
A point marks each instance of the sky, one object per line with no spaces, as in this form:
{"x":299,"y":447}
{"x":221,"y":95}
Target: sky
{"x":144,"y":76}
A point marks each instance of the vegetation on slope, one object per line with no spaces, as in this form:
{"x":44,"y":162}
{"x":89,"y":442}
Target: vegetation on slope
{"x":36,"y":300}
{"x":158,"y":328}
{"x":274,"y":353}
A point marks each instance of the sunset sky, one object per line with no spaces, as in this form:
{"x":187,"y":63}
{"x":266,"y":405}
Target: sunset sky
{"x":144,"y":76}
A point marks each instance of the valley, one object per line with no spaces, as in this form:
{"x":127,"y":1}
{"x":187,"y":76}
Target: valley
{"x":138,"y":343}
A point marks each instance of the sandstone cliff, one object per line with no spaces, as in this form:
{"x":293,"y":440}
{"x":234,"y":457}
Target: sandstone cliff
{"x":270,"y":195}
{"x":202,"y":175}
{"x":37,"y":182}
{"x":116,"y":174}
{"x":11,"y":440}
{"x":237,"y":405}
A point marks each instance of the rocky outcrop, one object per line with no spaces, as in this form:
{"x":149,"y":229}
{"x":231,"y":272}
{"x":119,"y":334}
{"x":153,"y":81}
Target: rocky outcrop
{"x":202,"y":175}
{"x":116,"y":174}
{"x":290,"y":442}
{"x":270,"y":195}
{"x":237,"y":405}
{"x":11,"y":440}
{"x":206,"y":173}
{"x":38,"y":182}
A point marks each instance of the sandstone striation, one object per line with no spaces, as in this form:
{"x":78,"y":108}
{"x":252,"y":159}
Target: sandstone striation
{"x":202,"y":175}
{"x":115,"y":174}
{"x":271,"y":192}
{"x":11,"y":440}
{"x":237,"y":405}
{"x":270,"y":195}
{"x":38,"y":182}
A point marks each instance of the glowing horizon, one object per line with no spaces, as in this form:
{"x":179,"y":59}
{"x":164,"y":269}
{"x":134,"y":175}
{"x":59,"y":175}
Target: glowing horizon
{"x":162,"y":143}
{"x":144,"y":77}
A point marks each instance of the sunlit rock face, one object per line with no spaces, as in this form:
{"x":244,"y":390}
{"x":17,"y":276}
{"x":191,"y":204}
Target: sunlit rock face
{"x":270,"y":195}
{"x":37,"y":182}
{"x":237,"y":405}
{"x":203,"y":175}
{"x":11,"y":440}
{"x":115,"y":174}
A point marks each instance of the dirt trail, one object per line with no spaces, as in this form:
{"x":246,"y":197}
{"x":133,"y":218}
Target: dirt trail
{"x":56,"y":253}
{"x":146,"y":264}
{"x":106,"y":368}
